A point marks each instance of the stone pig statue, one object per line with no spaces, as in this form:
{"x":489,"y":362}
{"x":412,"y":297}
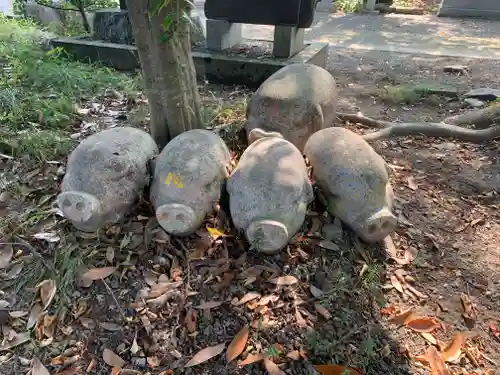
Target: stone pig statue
{"x":269,"y":191}
{"x":189,"y":176}
{"x":105,"y":174}
{"x":355,"y":180}
{"x":293,"y":103}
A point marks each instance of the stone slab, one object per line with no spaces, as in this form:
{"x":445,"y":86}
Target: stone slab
{"x":215,"y":66}
{"x":119,"y":56}
{"x":470,"y":8}
{"x":222,"y":68}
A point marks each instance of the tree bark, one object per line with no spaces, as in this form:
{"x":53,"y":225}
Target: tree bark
{"x":167,"y":68}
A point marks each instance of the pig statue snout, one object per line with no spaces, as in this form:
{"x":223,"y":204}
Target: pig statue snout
{"x":177,"y":219}
{"x":82,"y":209}
{"x":269,"y":236}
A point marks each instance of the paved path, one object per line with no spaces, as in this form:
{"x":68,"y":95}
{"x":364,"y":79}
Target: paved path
{"x":397,"y":33}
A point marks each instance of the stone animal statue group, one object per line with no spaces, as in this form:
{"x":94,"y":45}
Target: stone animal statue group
{"x":291,"y":115}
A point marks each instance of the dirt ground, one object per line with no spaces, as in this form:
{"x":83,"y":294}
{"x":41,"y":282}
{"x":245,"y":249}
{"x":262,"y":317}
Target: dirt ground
{"x":169,"y":298}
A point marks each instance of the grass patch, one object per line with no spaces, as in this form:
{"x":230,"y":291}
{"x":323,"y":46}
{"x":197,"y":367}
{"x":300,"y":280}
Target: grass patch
{"x":351,"y":336}
{"x":349,"y":6}
{"x":406,"y":94}
{"x":40,"y":88}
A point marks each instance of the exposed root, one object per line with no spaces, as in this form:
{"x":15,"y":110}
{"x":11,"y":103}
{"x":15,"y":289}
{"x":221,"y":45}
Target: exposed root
{"x":481,"y":118}
{"x":363,"y":120}
{"x":435,"y":130}
{"x":440,"y":130}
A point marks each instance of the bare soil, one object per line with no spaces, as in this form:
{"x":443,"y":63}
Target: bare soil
{"x":447,"y":202}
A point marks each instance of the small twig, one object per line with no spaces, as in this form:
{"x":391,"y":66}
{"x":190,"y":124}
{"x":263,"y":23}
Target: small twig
{"x":114,"y":298}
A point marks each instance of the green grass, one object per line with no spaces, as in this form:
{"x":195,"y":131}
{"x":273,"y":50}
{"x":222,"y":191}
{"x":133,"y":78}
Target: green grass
{"x":40,"y":89}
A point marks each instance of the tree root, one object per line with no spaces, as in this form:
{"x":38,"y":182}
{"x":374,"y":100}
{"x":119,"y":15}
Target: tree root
{"x":440,"y":130}
{"x":481,"y":118}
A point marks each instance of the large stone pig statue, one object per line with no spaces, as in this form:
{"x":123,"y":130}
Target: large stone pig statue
{"x":293,"y":103}
{"x":104,"y":176}
{"x":355,"y":180}
{"x":269,"y":192}
{"x":189,"y":175}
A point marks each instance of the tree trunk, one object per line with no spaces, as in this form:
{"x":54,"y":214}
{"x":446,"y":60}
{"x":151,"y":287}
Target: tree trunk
{"x":85,"y":20}
{"x":167,"y":68}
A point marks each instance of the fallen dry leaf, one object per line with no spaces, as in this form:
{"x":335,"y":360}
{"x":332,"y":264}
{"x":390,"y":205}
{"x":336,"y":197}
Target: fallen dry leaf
{"x":47,"y":290}
{"x":70,"y":371}
{"x":112,"y":359}
{"x":272,"y":368}
{"x":115,"y":371}
{"x":404,"y":317}
{"x":425,"y":324}
{"x":388,"y":310}
{"x":495,"y":331}
{"x":238,"y":344}
{"x":251,"y":358}
{"x":16,"y":340}
{"x":429,"y":337}
{"x":209,"y":305}
{"x":411,"y":183}
{"x":266,"y":299}
{"x":434,"y":359}
{"x":6,"y":254}
{"x":453,"y":351}
{"x":323,"y":311}
{"x":37,"y":368}
{"x":468,"y":314}
{"x":336,"y":370}
{"x":14,"y":271}
{"x":35,"y":312}
{"x":294,"y":355}
{"x":215,"y":233}
{"x":135,"y":347}
{"x":329,"y":245}
{"x":284,"y":280}
{"x":98,"y":273}
{"x":250,"y":296}
{"x":396,"y":284}
{"x":316,"y":292}
{"x":205,"y":354}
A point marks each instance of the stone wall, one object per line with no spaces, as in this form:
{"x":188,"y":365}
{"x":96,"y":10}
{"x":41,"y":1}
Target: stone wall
{"x":54,"y":17}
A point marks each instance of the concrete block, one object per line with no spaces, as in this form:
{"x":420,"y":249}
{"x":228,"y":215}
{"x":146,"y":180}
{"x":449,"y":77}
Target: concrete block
{"x":214,"y":66}
{"x":470,"y":8}
{"x":326,"y":6}
{"x":370,"y":5}
{"x":287,"y":41}
{"x":222,"y":35}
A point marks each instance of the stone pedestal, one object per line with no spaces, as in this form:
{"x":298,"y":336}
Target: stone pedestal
{"x":287,"y":41}
{"x":112,"y":26}
{"x":370,"y":5}
{"x":222,"y":35}
{"x":326,"y":6}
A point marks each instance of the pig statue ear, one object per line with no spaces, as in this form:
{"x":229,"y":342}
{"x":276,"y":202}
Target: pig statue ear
{"x":258,"y":133}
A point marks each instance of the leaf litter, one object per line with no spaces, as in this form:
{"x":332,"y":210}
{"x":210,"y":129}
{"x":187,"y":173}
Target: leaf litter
{"x":189,"y":272}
